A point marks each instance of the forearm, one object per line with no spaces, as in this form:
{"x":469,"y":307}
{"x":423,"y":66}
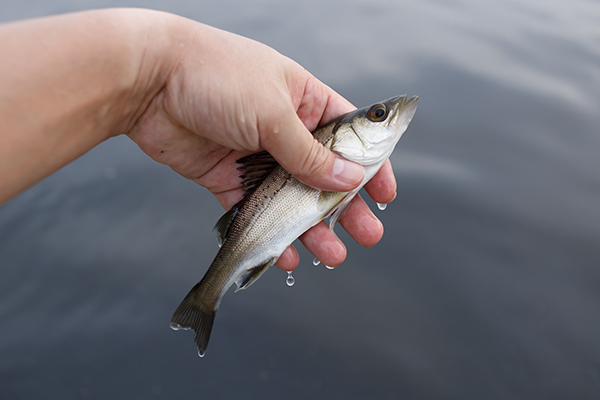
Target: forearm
{"x":68,"y":83}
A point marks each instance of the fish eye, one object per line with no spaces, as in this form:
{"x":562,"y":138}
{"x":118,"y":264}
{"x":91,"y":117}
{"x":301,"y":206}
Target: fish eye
{"x":377,"y":113}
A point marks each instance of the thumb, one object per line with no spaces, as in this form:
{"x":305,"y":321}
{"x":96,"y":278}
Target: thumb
{"x":296,"y":150}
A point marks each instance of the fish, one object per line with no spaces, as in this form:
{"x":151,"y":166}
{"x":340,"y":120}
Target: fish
{"x":277,"y":208}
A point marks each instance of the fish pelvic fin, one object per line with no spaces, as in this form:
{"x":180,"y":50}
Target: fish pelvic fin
{"x":253,"y":274}
{"x":189,"y":315}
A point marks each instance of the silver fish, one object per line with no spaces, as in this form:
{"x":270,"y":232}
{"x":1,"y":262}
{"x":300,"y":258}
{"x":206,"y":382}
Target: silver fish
{"x":278,"y":208}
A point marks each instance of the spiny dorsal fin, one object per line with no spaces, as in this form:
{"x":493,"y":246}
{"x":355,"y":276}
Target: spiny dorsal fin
{"x":254,"y":168}
{"x":253,"y":274}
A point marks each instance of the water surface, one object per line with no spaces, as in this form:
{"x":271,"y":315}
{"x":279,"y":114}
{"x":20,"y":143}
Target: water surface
{"x":485,"y":285}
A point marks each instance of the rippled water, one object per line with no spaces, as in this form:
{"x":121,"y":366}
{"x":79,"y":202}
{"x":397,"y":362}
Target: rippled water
{"x":487,"y":281}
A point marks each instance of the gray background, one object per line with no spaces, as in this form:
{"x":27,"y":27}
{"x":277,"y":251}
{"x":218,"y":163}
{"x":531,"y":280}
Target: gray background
{"x":486,"y":284}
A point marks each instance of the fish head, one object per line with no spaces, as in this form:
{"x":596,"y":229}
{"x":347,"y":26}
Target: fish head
{"x":368,"y":135}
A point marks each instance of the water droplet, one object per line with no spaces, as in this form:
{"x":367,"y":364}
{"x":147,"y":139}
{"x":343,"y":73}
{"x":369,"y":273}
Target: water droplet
{"x":219,"y":241}
{"x":316,"y":262}
{"x":175,"y":327}
{"x":200,"y":353}
{"x":328,"y":267}
{"x":290,"y":279}
{"x":381,"y":206}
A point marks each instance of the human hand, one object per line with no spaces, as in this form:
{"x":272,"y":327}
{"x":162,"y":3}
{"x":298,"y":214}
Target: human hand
{"x":226,"y":96}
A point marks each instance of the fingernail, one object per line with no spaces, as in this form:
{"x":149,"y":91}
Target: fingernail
{"x":347,"y":171}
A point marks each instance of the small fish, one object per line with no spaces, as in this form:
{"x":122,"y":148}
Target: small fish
{"x":277,"y":208}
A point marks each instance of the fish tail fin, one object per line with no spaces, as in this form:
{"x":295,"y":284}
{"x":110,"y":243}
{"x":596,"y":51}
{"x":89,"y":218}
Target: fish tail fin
{"x":190,"y":315}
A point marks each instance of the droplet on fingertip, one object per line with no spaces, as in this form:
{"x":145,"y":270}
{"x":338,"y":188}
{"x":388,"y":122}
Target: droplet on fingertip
{"x":328,"y":267}
{"x":381,"y":206}
{"x":290,"y":279}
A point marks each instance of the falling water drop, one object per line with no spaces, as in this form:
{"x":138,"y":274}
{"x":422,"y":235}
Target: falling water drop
{"x":381,"y":206}
{"x":290,"y":279}
{"x":316,"y":262}
{"x":328,"y":267}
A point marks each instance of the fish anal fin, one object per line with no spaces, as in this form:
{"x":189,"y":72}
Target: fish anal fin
{"x":253,"y":274}
{"x":189,"y":315}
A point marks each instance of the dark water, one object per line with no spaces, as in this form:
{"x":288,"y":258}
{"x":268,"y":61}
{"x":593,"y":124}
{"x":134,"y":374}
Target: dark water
{"x":486,"y":284}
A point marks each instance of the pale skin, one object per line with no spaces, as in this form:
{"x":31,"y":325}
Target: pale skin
{"x":191,"y":96}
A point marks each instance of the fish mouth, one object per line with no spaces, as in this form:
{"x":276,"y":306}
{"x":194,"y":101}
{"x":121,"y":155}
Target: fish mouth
{"x":403,"y":110}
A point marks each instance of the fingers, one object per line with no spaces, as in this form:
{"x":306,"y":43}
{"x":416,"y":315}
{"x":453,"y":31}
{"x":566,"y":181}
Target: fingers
{"x":382,"y":187}
{"x":289,"y":259}
{"x":360,"y":222}
{"x":319,"y":240}
{"x":357,"y":220}
{"x":324,"y":245}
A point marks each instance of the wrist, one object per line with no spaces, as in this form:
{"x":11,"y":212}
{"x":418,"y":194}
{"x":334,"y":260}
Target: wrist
{"x":70,"y":82}
{"x":147,"y":57}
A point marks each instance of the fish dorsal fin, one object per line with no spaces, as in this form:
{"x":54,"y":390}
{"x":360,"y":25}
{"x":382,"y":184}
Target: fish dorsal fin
{"x":253,"y":274}
{"x":254,"y":168}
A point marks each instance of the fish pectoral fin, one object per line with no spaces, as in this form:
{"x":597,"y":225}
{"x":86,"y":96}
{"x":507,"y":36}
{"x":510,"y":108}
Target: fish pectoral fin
{"x":253,"y":274}
{"x":337,"y":212}
{"x":330,"y":200}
